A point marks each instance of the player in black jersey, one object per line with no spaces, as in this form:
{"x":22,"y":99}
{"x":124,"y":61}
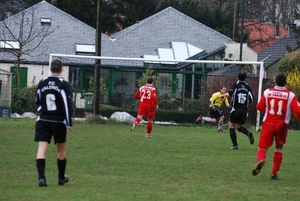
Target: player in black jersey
{"x":54,"y":100}
{"x":241,"y":95}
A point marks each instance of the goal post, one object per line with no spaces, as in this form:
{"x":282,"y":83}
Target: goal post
{"x":256,"y":63}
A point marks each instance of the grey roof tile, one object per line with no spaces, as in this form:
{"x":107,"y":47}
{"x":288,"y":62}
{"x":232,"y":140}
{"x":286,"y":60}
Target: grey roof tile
{"x":278,"y":49}
{"x":156,"y":31}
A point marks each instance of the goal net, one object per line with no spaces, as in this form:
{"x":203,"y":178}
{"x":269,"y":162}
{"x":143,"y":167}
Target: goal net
{"x":183,"y":85}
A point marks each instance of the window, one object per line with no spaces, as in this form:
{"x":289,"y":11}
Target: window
{"x":13,"y":45}
{"x":45,"y":21}
{"x":85,"y":49}
{"x":177,"y":51}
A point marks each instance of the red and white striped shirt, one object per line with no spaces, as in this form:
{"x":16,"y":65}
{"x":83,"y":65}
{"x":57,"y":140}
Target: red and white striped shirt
{"x":278,"y":103}
{"x":147,"y":94}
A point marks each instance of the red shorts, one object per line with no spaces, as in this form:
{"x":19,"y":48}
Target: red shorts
{"x":146,"y":110}
{"x":271,"y":132}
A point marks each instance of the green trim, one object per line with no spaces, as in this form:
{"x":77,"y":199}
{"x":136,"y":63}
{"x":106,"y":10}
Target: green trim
{"x":111,"y":79}
{"x":81,"y":70}
{"x":174,"y":83}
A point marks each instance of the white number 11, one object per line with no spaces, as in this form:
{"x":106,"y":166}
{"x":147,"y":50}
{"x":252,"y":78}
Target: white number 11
{"x":279,"y":111}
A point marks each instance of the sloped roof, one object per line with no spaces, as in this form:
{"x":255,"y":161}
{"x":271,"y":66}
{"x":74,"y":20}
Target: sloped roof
{"x":158,"y":30}
{"x":228,"y":71}
{"x":67,"y":31}
{"x":144,"y":37}
{"x":262,"y":35}
{"x":278,"y":49}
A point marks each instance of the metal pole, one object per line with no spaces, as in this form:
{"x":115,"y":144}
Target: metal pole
{"x":242,"y":31}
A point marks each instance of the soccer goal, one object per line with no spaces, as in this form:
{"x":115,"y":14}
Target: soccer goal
{"x":5,"y":93}
{"x":129,"y":64}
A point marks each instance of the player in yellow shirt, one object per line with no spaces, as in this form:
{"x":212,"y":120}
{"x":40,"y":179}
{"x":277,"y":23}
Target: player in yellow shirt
{"x":216,"y":102}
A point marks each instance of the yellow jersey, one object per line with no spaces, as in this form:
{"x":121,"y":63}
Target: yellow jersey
{"x":218,"y":100}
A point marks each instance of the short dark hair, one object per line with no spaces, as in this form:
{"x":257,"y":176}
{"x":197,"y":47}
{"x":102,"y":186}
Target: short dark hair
{"x":242,"y":75}
{"x":280,"y":79}
{"x":149,"y":80}
{"x":56,"y":66}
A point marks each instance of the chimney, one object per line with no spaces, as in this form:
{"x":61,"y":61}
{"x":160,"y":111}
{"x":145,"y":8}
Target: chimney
{"x":54,"y":2}
{"x":291,"y":28}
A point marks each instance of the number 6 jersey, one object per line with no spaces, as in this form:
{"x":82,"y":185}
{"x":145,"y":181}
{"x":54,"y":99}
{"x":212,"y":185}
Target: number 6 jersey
{"x":54,"y":100}
{"x":277,"y":104}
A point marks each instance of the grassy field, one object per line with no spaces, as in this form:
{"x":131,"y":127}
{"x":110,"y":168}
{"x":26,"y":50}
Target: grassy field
{"x":111,"y":162}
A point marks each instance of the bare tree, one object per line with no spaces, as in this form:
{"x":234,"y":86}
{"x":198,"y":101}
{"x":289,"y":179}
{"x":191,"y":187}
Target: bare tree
{"x":274,"y":11}
{"x":22,"y":33}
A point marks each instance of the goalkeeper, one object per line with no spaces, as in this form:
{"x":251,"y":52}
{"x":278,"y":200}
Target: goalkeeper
{"x":216,"y":102}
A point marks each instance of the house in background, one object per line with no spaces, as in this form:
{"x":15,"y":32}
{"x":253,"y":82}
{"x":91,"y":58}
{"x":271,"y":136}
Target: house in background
{"x":263,"y":34}
{"x":274,"y":52}
{"x":168,"y":34}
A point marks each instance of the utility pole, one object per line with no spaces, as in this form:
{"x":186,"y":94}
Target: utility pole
{"x":242,"y":30}
{"x":98,"y":61}
{"x":235,"y":27}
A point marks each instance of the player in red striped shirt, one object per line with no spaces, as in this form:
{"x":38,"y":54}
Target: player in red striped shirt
{"x":277,"y":103}
{"x":148,"y":105}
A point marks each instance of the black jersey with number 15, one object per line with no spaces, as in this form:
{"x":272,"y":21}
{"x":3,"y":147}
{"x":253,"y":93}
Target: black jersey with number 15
{"x":54,"y":100}
{"x":241,"y":95}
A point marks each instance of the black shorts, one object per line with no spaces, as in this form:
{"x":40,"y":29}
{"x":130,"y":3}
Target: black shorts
{"x":238,"y":116}
{"x":44,"y":131}
{"x":216,"y":113}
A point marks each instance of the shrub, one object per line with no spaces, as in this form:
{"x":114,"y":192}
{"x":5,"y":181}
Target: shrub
{"x":23,"y":100}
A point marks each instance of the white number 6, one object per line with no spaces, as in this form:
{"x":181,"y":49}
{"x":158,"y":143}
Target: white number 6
{"x":50,"y":101}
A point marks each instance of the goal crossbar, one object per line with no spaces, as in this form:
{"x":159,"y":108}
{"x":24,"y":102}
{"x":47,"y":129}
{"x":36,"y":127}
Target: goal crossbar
{"x":260,"y":63}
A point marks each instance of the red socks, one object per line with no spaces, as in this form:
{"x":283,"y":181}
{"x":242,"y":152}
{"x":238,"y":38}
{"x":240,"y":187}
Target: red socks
{"x":261,"y":155}
{"x":277,"y":158}
{"x":149,"y":127}
{"x":137,"y":120}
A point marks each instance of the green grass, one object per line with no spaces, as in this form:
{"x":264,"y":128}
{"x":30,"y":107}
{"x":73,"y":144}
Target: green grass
{"x":110,"y":162}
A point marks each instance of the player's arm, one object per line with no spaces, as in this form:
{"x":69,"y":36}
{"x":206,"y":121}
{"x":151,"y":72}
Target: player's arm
{"x":154,"y":98}
{"x":295,"y":105}
{"x":251,"y":96}
{"x":226,"y":102}
{"x":67,"y":102}
{"x":213,"y":98}
{"x":229,"y":92}
{"x":137,"y":94}
{"x":37,"y":95}
{"x":261,"y":105}
{"x":225,"y":95}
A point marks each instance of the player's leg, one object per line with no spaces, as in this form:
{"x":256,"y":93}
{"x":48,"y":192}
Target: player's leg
{"x":265,"y":141}
{"x":141,"y":114}
{"x":212,"y":118}
{"x":150,"y":117}
{"x":136,"y":121}
{"x":61,"y":163}
{"x":242,"y":129}
{"x":232,"y":127}
{"x":220,"y":123}
{"x":280,"y":139}
{"x":233,"y":136}
{"x":60,"y":137}
{"x":43,"y":137}
{"x":277,"y":159}
{"x":199,"y":118}
{"x":149,"y":127}
{"x":41,"y":162}
{"x":242,"y":115}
